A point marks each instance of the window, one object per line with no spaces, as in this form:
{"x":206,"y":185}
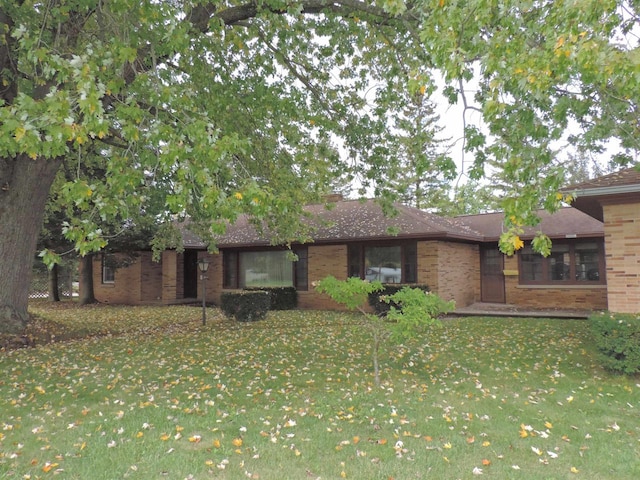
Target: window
{"x":108,"y":269}
{"x":573,"y":263}
{"x":301,"y":268}
{"x":265,"y":268}
{"x":386,"y":263}
{"x":230,"y":270}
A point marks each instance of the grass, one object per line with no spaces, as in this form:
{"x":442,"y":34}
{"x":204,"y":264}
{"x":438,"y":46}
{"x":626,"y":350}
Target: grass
{"x":151,"y":393}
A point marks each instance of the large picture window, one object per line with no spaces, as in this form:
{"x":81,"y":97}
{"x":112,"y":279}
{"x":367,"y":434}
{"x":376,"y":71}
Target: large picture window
{"x":386,"y":263}
{"x":265,"y":268}
{"x":575,"y":263}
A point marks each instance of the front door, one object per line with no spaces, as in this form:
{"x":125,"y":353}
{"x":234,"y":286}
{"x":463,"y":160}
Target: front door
{"x":190,"y":274}
{"x":492,"y":275}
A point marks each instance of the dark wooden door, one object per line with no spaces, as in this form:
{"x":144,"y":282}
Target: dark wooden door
{"x":492,"y":275}
{"x":190,"y":274}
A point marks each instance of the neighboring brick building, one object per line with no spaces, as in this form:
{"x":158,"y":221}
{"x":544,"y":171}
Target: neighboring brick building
{"x":615,"y":200}
{"x":457,"y":258}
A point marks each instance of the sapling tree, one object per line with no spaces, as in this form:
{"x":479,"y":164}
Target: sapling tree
{"x":412,"y":310}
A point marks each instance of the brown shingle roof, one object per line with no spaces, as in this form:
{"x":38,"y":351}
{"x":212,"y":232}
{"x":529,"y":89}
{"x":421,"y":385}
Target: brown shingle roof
{"x":565,"y":223}
{"x":355,"y":220}
{"x":625,"y":177}
{"x":623,"y":185}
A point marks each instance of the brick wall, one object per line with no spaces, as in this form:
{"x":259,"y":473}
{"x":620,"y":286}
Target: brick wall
{"x":323,"y":260}
{"x":151,"y":278}
{"x":214,"y":277}
{"x":622,"y":247}
{"x":126,"y":286}
{"x":169,"y":276}
{"x":452,"y":270}
{"x":588,"y":297}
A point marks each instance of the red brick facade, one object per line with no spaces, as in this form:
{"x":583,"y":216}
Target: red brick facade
{"x":450,"y":269}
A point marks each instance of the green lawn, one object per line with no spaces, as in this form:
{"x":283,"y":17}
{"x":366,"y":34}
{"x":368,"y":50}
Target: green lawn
{"x":153,"y":394}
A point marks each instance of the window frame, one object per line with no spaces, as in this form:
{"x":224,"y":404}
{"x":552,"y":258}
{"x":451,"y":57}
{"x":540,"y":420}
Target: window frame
{"x":546,"y":264}
{"x":108,"y":273}
{"x":356,"y":256}
{"x":231,"y":259}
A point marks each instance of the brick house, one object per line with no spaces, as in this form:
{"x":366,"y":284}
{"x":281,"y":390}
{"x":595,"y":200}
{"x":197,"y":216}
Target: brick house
{"x":456,"y":257}
{"x":615,"y":200}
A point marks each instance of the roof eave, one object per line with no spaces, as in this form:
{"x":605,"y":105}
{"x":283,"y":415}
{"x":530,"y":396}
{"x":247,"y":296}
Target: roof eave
{"x":605,"y":191}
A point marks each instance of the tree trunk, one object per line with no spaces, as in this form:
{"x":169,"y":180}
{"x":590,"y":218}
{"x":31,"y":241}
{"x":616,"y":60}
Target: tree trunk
{"x":24,"y":189}
{"x":54,"y":287}
{"x":376,"y":364}
{"x":87,"y":295}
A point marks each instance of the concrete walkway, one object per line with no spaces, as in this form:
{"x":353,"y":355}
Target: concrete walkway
{"x":506,"y":310}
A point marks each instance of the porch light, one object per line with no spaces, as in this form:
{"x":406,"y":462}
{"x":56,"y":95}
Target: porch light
{"x":203,"y":266}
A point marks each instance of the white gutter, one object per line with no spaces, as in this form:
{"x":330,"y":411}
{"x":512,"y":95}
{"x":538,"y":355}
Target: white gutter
{"x":598,"y":191}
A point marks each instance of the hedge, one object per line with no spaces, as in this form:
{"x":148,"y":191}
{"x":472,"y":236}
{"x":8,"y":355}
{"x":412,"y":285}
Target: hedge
{"x":617,"y":337}
{"x":282,"y":298}
{"x":245,"y":306}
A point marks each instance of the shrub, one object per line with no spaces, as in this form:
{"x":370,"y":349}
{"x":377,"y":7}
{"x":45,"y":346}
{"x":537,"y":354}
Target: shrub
{"x":617,"y":338}
{"x":245,"y":306}
{"x":282,"y":298}
{"x":377,"y":299}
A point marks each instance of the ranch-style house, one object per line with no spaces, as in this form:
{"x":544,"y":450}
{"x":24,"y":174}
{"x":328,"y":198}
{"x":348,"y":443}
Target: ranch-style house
{"x":594,"y":262}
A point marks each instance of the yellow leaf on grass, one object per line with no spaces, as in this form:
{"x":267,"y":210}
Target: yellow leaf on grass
{"x":237,"y":442}
{"x":48,"y":467}
{"x":216,"y":443}
{"x":548,"y":424}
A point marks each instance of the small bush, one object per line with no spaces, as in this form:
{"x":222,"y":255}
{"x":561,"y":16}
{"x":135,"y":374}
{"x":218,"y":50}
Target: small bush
{"x":245,"y":306}
{"x":617,"y":338}
{"x":282,"y":298}
{"x":377,"y":299}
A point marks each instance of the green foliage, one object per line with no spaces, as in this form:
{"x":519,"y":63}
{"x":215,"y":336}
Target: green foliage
{"x":282,"y":298}
{"x":541,"y":243}
{"x":379,"y":300}
{"x":245,"y":306}
{"x":413,"y":309}
{"x":352,"y":292}
{"x":617,"y":337}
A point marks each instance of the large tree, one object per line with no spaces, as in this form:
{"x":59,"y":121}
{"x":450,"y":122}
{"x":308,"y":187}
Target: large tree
{"x":235,"y":105}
